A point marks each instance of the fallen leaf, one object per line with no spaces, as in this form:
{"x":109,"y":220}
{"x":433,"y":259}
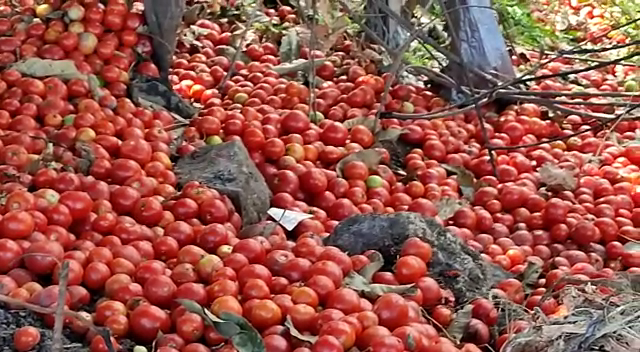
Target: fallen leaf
{"x":465,"y":178}
{"x":296,"y":66}
{"x":389,"y":134}
{"x":368,"y":122}
{"x":459,"y":324}
{"x":194,"y":13}
{"x":35,"y":67}
{"x":448,"y":206}
{"x":375,"y":263}
{"x":262,"y":229}
{"x":531,"y":274}
{"x":297,"y":334}
{"x":361,"y":285}
{"x":290,"y":46}
{"x":369,"y":157}
{"x":558,"y":178}
{"x":190,"y":35}
{"x":224,"y":328}
{"x":289,"y":219}
{"x":249,"y":339}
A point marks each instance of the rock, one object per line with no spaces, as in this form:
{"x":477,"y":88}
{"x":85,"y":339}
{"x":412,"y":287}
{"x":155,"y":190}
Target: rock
{"x":228,"y":168}
{"x":454,"y":265}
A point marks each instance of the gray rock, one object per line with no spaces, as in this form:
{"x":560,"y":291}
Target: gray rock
{"x":228,"y":168}
{"x":453,"y":264}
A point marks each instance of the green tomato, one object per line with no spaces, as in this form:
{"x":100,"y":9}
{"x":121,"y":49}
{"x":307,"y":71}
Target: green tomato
{"x":631,"y":86}
{"x":315,"y":117}
{"x":213,"y":140}
{"x":374,"y":181}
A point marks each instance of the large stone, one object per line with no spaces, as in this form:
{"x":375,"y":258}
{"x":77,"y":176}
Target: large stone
{"x":228,"y":168}
{"x":453,"y":264}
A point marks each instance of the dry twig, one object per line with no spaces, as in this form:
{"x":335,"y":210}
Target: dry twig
{"x":63,"y":278}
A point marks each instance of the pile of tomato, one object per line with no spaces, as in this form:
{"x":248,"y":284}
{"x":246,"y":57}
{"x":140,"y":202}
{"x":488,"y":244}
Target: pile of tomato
{"x":87,"y":180}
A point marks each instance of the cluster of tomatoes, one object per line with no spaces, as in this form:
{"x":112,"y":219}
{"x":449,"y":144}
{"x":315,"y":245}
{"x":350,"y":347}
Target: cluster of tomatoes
{"x":87,"y":181}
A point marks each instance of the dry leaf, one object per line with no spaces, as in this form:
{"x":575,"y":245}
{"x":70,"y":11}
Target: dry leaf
{"x":465,"y":178}
{"x":194,"y":13}
{"x":448,"y":206}
{"x":361,"y":285}
{"x":263,"y":229}
{"x":375,"y":263}
{"x":390,"y":134}
{"x":459,"y":324}
{"x":367,"y":122}
{"x":189,"y":35}
{"x":35,"y":67}
{"x":289,"y":219}
{"x":558,"y":178}
{"x":369,"y":157}
{"x":296,"y":66}
{"x":531,"y":274}
{"x":290,"y":46}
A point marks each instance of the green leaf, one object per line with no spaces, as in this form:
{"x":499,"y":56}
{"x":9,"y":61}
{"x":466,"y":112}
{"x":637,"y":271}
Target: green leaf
{"x":248,"y":339}
{"x":297,"y":334}
{"x":224,"y":328}
{"x":290,"y":46}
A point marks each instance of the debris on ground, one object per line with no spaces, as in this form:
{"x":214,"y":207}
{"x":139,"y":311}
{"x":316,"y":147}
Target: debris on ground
{"x":455,"y":265}
{"x":228,"y":168}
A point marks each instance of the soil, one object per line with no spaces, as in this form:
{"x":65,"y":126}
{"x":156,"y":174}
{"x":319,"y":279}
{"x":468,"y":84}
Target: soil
{"x":10,"y":320}
{"x":13,"y":319}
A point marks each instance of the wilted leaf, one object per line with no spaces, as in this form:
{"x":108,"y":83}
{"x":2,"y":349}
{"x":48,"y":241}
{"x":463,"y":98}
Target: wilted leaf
{"x":194,"y":13}
{"x":361,"y":285}
{"x":376,"y":261}
{"x":368,"y":122}
{"x":448,"y":206}
{"x":35,"y":67}
{"x":459,"y":324}
{"x":260,"y":229}
{"x":230,"y":53}
{"x":377,"y":290}
{"x":372,"y":56}
{"x":55,"y":14}
{"x":245,"y":37}
{"x":289,"y":219}
{"x":390,"y":134}
{"x":296,"y":66}
{"x":297,"y":334}
{"x":558,"y":178}
{"x":531,"y":274}
{"x":290,"y":46}
{"x":465,"y":178}
{"x":190,"y":35}
{"x":369,"y":157}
